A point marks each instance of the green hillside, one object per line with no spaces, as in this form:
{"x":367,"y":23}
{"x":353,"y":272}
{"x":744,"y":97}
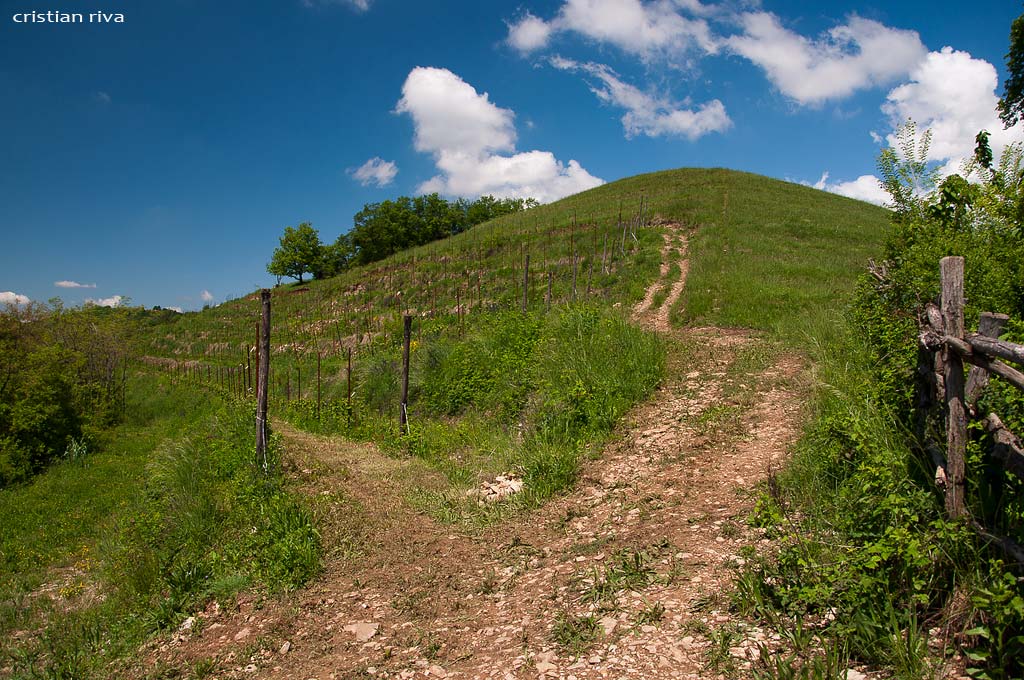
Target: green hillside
{"x":493,"y":391}
{"x":765,"y":254}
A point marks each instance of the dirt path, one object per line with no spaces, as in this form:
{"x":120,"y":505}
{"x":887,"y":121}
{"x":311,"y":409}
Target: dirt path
{"x":624,"y":577}
{"x":653,"y":311}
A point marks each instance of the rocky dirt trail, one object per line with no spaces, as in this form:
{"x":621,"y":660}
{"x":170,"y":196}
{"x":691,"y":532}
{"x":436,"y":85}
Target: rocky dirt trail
{"x":627,"y":576}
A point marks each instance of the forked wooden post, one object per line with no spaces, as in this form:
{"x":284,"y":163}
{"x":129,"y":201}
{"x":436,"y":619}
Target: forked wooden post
{"x":262,"y":373}
{"x":403,"y":416}
{"x":951,"y":271}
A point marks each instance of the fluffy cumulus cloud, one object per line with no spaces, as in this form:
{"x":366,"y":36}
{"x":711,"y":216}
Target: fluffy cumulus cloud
{"x":449,"y":114}
{"x":864,"y":188}
{"x":855,"y":55}
{"x":529,"y":33}
{"x":73,"y":284}
{"x":473,"y":141}
{"x":112,"y":301}
{"x":8,"y":297}
{"x":206,"y":296}
{"x":954,"y":95}
{"x":646,"y":29}
{"x":647,"y":114}
{"x":376,"y":171}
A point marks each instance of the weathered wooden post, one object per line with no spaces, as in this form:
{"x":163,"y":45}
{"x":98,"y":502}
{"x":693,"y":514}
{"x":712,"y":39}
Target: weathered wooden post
{"x":403,"y":416}
{"x":257,"y":350}
{"x":951,"y":271}
{"x":458,"y":308}
{"x":549,"y":290}
{"x":262,"y":374}
{"x":574,"y":277}
{"x":526,"y":283}
{"x":318,"y":385}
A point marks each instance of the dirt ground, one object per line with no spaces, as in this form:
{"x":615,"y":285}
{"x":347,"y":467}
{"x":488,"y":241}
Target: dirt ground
{"x":627,"y":576}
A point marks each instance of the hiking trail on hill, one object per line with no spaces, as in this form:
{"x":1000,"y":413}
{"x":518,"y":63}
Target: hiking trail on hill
{"x":627,"y":575}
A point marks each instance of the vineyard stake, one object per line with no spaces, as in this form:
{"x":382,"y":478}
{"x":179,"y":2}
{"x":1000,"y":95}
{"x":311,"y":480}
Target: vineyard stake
{"x":403,"y":416}
{"x":262,"y":372}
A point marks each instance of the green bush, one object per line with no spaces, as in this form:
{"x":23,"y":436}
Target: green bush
{"x":872,"y":543}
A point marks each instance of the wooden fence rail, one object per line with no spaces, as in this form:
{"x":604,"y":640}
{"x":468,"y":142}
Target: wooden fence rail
{"x":944,"y":349}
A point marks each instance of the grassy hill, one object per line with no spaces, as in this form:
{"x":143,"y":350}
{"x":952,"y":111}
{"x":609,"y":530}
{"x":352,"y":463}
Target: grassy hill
{"x":530,"y":392}
{"x":765,"y":254}
{"x":493,"y":390}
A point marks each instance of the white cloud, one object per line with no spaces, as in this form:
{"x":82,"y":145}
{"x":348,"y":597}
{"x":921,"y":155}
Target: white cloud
{"x":448,"y":113}
{"x":536,"y":174}
{"x":112,"y":301}
{"x":101,"y":98}
{"x":650,"y":29}
{"x":529,"y":33}
{"x":858,"y":54}
{"x":11,"y":298}
{"x":175,"y":309}
{"x":953,"y":95}
{"x":465,"y":132}
{"x":864,"y":188}
{"x":650,"y":115}
{"x":206,"y":296}
{"x":375,"y":171}
{"x":73,"y":284}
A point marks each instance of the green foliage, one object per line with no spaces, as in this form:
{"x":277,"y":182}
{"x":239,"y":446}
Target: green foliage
{"x":156,"y":533}
{"x":61,"y":380}
{"x":1011,"y":104}
{"x":575,"y":634}
{"x":300,"y":252}
{"x":528,"y":394}
{"x":382,"y":229}
{"x":489,"y":370}
{"x":869,"y":543}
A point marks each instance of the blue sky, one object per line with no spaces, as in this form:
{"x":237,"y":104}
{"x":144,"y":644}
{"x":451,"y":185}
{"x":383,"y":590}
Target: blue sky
{"x":159,"y":159}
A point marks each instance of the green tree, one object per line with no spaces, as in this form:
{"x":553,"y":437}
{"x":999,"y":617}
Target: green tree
{"x":1011,"y":105}
{"x":300,"y":252}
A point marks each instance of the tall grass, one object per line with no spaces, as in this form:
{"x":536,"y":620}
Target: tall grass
{"x":529,"y":395}
{"x":151,"y":535}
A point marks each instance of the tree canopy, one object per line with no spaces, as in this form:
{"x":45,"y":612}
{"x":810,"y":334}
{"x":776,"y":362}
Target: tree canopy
{"x":382,"y":229}
{"x":1011,"y":105}
{"x":300,"y":252}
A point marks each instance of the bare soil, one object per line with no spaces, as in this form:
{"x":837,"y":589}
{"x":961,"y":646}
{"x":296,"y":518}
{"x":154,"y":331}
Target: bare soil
{"x":627,"y":576}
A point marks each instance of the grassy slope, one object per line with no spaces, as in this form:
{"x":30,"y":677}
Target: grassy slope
{"x":767,"y":254}
{"x":764,"y":254}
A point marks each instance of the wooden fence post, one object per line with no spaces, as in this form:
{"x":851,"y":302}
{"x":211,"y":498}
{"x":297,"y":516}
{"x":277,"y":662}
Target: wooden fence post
{"x":403,"y":416}
{"x":262,"y":372}
{"x":349,"y":380}
{"x":951,"y":271}
{"x":526,"y":283}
